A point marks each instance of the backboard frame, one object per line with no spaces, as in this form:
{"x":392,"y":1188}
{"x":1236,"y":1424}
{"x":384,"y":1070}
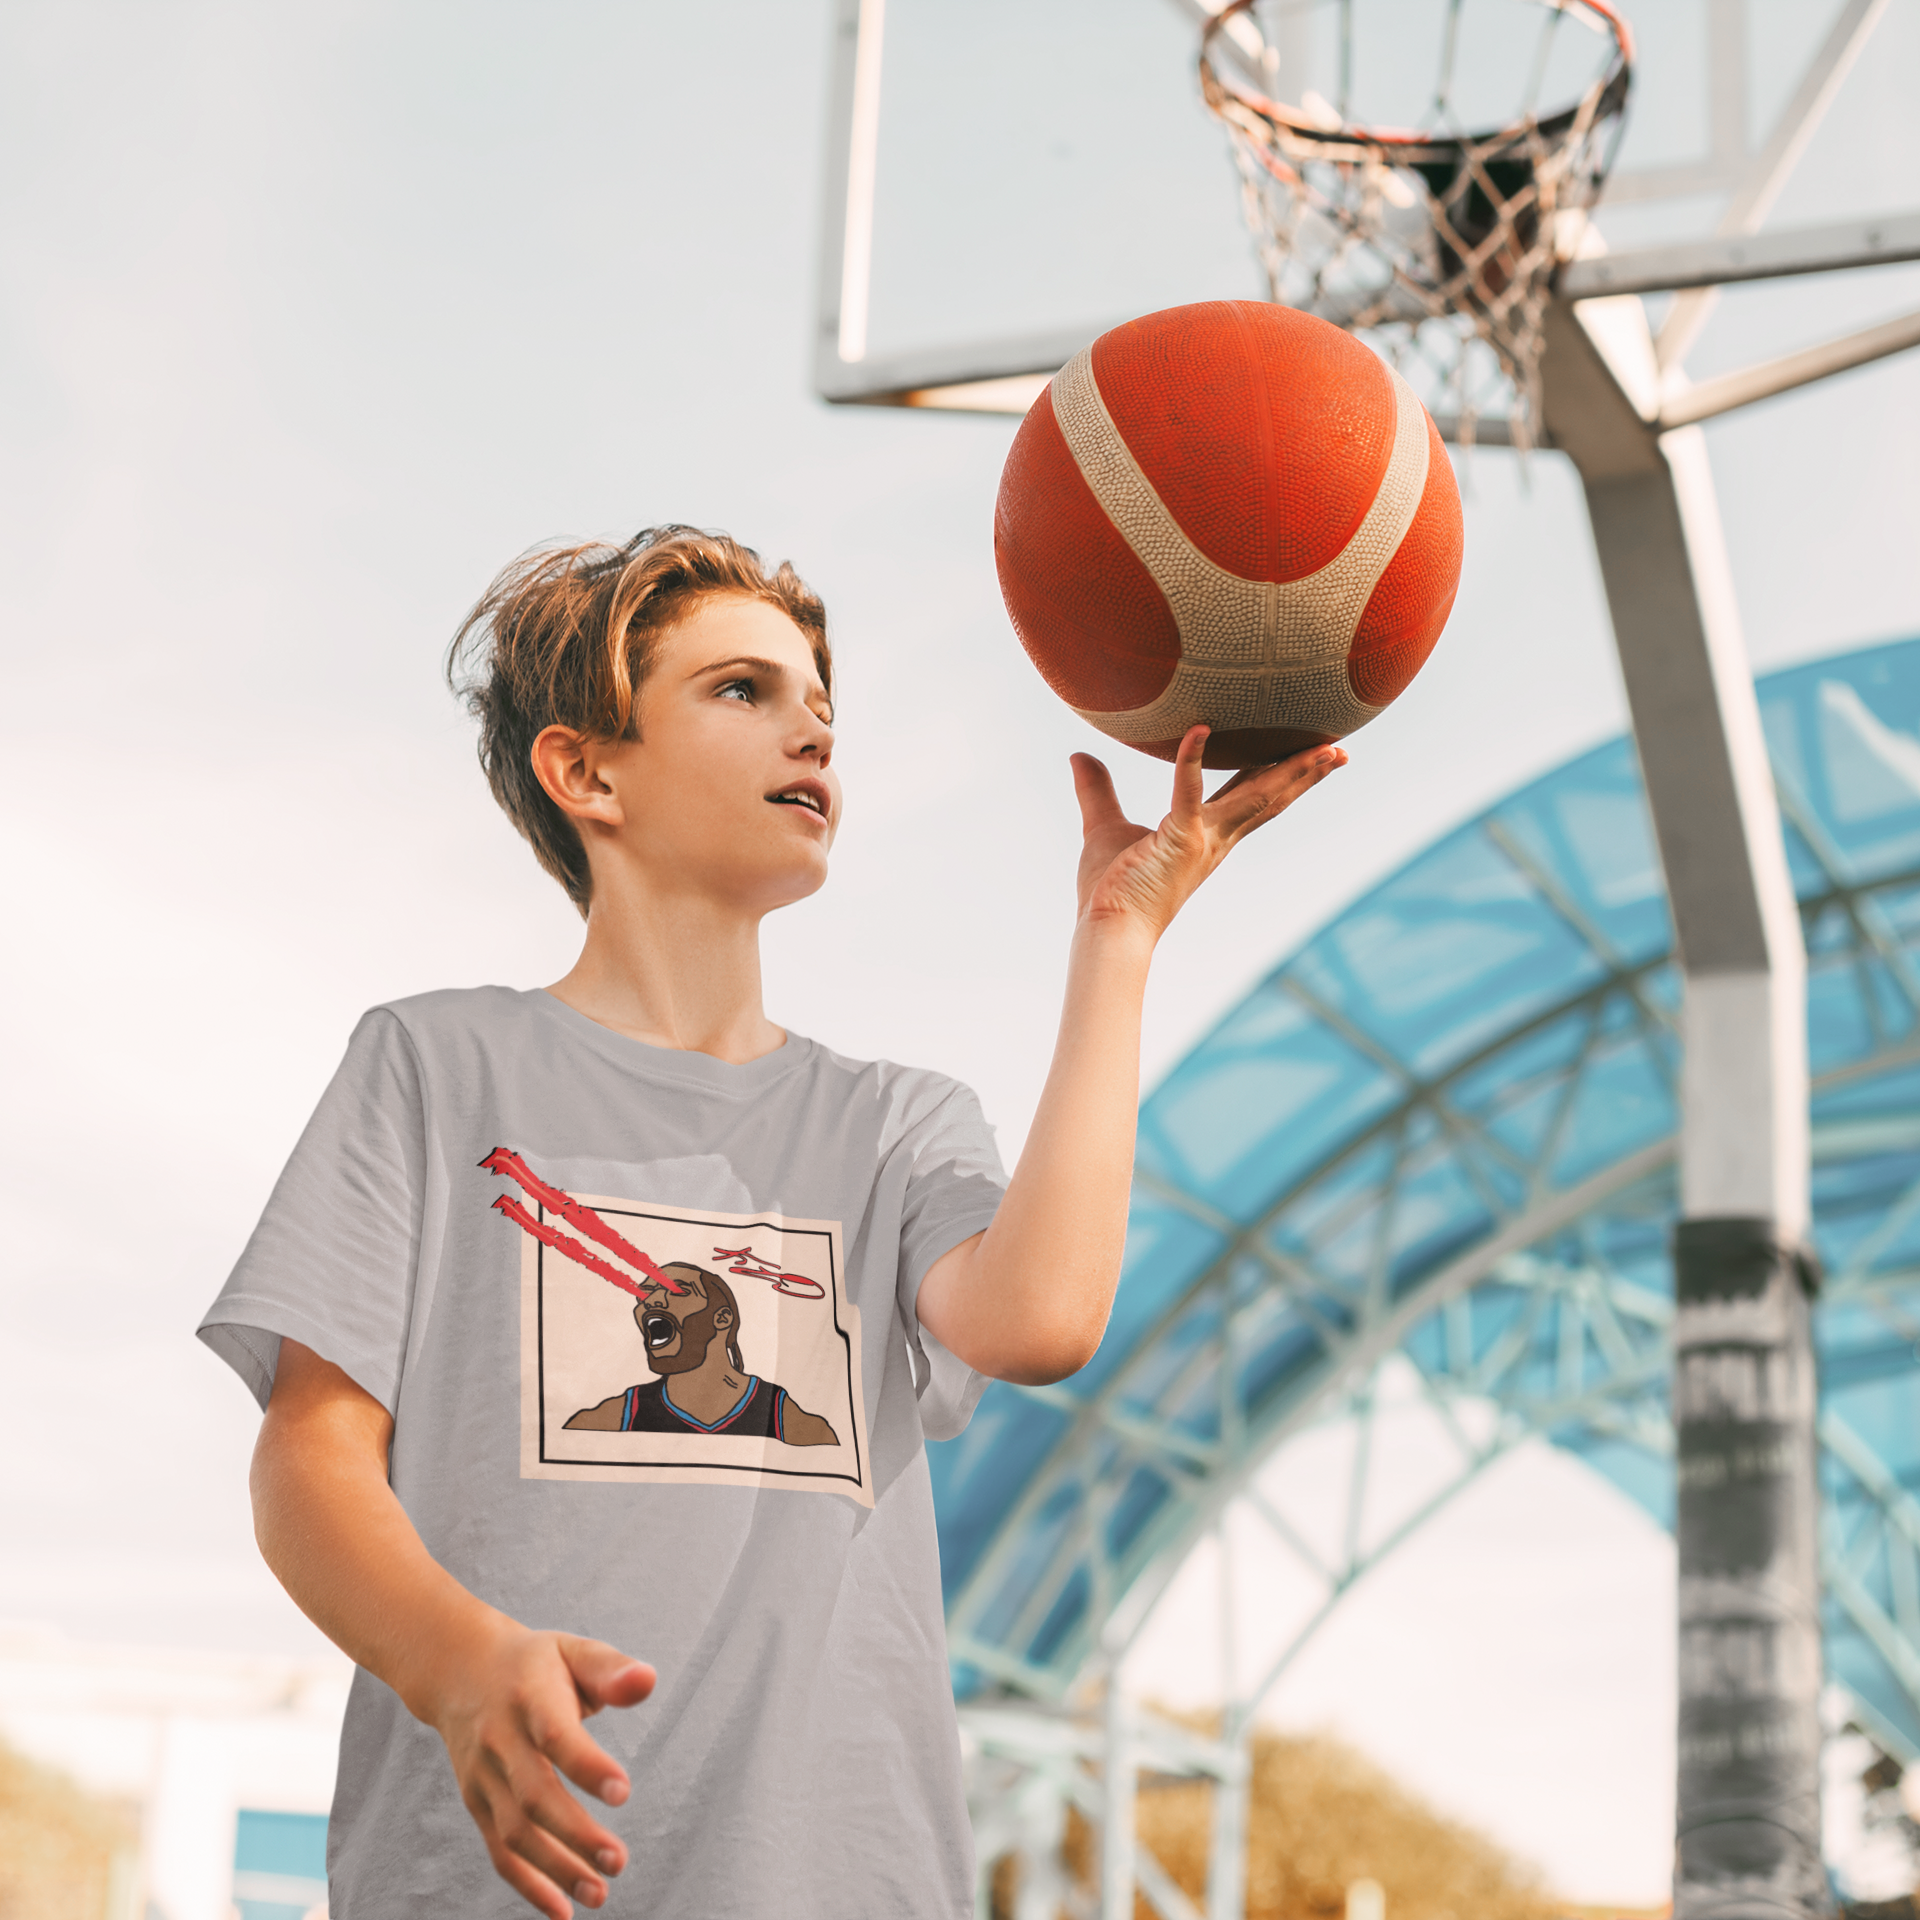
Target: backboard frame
{"x":1005,"y":373}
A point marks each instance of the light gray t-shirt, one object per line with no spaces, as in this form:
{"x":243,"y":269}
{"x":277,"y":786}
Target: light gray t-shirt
{"x":645,"y":1324}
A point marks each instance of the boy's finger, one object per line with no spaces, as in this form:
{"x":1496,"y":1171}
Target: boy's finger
{"x":1295,"y":763}
{"x":561,"y":1865}
{"x":1273,"y":793}
{"x":528,"y":1881}
{"x":1261,"y":792}
{"x":556,"y":1739}
{"x":604,"y":1675}
{"x":544,"y":1824}
{"x":573,"y":1751}
{"x":1093,"y":788}
{"x":1189,"y":781}
{"x":551,"y":1865}
{"x":1247,"y":775}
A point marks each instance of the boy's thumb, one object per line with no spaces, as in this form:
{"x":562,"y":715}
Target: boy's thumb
{"x":605,"y":1676}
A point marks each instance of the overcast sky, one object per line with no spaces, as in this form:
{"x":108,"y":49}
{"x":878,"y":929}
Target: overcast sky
{"x":314,"y":317}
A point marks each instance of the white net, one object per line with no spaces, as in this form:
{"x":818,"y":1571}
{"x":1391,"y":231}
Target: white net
{"x":1440,"y":244}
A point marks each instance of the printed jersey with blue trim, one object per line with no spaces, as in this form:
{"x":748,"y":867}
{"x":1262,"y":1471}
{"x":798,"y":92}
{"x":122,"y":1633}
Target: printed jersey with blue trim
{"x":758,"y":1414}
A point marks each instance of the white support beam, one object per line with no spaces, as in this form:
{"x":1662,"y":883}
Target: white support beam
{"x":1746,"y":1055}
{"x":862,"y":158}
{"x":1726,"y":391}
{"x":831,"y":293}
{"x":1831,"y":248}
{"x":1775,"y":162}
{"x":937,"y":376}
{"x":1703,"y":755}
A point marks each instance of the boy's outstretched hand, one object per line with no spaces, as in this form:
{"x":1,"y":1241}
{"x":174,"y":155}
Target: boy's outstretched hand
{"x":512,"y":1724}
{"x":1027,"y":1299}
{"x":508,"y":1702}
{"x":1142,"y":877}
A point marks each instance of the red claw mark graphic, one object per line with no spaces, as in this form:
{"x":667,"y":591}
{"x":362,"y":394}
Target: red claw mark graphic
{"x":750,"y":1266}
{"x":567,"y":1244}
{"x":581,"y":1219}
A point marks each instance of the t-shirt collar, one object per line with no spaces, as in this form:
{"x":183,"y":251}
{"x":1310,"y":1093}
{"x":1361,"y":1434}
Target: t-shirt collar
{"x":680,"y":1065}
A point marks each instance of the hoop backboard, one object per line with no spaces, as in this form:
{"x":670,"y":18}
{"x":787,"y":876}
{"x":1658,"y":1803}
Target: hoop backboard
{"x":1006,"y":181}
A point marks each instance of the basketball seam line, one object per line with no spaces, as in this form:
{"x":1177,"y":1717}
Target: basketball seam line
{"x":1196,"y":587}
{"x":1123,"y":490}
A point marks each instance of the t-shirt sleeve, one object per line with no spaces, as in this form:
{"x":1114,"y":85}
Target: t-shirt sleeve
{"x":333,"y":1260}
{"x":953,"y":1192}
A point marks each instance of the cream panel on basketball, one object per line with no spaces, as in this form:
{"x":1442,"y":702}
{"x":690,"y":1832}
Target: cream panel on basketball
{"x":1253,"y":653}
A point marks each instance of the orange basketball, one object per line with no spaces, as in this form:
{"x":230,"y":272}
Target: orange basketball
{"x":1231,"y":513}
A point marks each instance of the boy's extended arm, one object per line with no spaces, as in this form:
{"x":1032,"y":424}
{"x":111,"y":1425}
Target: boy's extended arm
{"x":1028,"y":1299}
{"x":507,"y":1701}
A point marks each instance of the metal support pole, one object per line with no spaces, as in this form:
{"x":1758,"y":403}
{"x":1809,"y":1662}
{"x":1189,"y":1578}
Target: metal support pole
{"x":1227,"y":1858}
{"x":1227,"y":1867}
{"x":1748,"y":1788}
{"x":1749,"y":1802}
{"x":1116,"y":1833}
{"x":1043,"y":1824}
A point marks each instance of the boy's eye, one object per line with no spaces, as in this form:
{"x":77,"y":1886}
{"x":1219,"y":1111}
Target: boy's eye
{"x":737,"y":690}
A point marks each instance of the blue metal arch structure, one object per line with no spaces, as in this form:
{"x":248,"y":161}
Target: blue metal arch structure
{"x":1442,"y":1135}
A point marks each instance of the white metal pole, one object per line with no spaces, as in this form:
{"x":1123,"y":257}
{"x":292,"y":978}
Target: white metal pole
{"x":1116,"y":1834}
{"x":1227,"y":1862}
{"x":1747,"y":1791}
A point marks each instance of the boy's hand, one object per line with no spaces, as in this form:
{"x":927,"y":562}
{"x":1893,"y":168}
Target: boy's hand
{"x":511,"y":1719}
{"x":1027,"y":1300}
{"x":507,"y":1701}
{"x":1130,"y":875}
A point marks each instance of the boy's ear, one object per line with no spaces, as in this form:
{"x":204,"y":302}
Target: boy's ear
{"x":568,"y":765}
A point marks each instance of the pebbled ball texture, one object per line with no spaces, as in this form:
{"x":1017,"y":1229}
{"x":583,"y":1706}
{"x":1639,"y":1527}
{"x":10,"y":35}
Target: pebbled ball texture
{"x":1267,"y":438}
{"x":1410,"y":606}
{"x":1229,"y":512}
{"x":1066,"y":572}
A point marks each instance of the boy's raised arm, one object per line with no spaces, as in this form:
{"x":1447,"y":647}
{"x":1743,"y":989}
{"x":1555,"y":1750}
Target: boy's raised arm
{"x":508,"y":1701}
{"x":1027,"y":1300}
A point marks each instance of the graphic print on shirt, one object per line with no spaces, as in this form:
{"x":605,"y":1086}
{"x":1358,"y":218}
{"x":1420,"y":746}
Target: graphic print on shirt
{"x":664,"y":1344}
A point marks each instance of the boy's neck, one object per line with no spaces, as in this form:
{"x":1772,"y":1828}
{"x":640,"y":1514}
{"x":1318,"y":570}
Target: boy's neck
{"x":676,"y":972}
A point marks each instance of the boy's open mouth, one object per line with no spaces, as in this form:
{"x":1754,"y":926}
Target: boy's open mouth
{"x":811,"y":794}
{"x":659,"y":1331}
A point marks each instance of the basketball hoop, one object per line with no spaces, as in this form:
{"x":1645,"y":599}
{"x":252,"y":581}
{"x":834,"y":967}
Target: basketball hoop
{"x":1441,"y":243}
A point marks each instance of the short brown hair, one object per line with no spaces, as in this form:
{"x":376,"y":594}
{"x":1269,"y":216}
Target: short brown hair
{"x":564,"y":637}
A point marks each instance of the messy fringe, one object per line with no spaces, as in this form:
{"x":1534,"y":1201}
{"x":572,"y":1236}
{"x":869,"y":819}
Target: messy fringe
{"x":565,"y":637}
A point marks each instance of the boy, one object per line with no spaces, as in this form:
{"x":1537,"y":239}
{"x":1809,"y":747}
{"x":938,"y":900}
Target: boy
{"x":613,"y":1316}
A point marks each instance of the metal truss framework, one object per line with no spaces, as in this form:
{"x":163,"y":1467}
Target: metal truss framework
{"x":1490,"y":1039}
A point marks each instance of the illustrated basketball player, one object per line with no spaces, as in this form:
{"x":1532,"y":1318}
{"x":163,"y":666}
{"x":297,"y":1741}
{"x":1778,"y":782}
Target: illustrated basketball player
{"x":693,"y":1345}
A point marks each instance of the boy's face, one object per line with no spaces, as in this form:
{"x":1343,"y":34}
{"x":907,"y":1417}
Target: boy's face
{"x":729,"y":792}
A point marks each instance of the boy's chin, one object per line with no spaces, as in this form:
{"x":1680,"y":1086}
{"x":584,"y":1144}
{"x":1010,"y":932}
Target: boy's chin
{"x":793,"y":885}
